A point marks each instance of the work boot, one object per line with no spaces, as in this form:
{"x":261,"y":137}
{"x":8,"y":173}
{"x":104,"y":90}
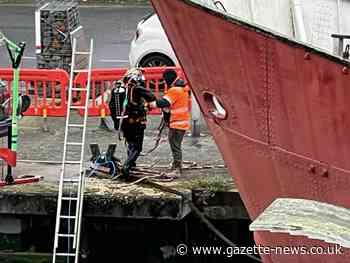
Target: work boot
{"x":176,"y":169}
{"x":103,"y":125}
{"x":175,"y":165}
{"x":132,"y":166}
{"x":125,"y":171}
{"x":106,"y":124}
{"x":176,"y":173}
{"x":171,"y":166}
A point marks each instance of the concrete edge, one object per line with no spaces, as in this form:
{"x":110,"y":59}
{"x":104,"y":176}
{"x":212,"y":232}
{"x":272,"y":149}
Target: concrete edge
{"x":172,"y":208}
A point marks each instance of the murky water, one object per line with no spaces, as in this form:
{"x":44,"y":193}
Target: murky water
{"x":147,"y":241}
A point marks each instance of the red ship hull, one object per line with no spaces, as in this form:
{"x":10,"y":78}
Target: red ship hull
{"x":288,"y":113}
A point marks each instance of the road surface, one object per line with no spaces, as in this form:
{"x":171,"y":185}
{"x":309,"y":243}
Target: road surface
{"x":111,"y":27}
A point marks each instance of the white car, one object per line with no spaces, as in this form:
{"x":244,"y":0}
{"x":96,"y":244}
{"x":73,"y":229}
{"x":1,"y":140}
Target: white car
{"x":150,"y":46}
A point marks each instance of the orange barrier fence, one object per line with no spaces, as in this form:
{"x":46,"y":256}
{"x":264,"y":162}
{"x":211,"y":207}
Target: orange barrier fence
{"x":48,"y":89}
{"x":102,"y":80}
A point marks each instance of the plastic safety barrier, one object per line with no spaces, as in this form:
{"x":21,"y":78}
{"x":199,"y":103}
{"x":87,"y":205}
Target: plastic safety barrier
{"x":46,"y":88}
{"x":102,"y":80}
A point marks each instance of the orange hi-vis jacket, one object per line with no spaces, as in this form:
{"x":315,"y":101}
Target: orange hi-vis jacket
{"x":178,"y":97}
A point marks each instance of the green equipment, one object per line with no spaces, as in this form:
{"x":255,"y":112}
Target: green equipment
{"x":9,"y":155}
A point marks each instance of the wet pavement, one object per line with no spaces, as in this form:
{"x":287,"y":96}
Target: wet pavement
{"x":105,"y":197}
{"x":36,"y":144}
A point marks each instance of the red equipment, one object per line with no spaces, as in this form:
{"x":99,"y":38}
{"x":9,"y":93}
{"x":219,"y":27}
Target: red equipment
{"x":284,"y":131}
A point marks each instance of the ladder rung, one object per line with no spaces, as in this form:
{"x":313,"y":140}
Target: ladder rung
{"x":122,"y":117}
{"x":76,"y":125}
{"x":71,"y":180}
{"x":82,"y":53}
{"x":70,"y":198}
{"x":74,"y":143}
{"x":68,"y":217}
{"x":66,"y":235}
{"x":72,"y":162}
{"x":81,"y":70}
{"x":65,"y":254}
{"x":77,"y":107}
{"x":79,"y":89}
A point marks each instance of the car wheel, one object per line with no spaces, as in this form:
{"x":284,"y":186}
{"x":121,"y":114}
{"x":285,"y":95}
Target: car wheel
{"x":156,"y":61}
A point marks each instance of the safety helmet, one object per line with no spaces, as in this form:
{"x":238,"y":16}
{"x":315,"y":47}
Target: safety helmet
{"x":133,"y":76}
{"x":118,"y":84}
{"x":169,"y":76}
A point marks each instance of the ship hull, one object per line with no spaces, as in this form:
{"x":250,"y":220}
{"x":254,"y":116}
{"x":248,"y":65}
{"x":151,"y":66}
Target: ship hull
{"x":286,"y":133}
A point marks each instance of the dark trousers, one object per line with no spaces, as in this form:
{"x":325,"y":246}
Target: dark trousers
{"x":133,"y":134}
{"x":175,"y":137}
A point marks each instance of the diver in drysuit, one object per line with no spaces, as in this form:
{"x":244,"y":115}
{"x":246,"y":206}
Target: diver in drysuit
{"x":131,"y":120}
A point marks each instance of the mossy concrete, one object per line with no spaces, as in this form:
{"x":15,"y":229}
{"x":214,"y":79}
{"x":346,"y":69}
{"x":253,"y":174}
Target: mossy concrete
{"x":117,"y":199}
{"x":102,"y":199}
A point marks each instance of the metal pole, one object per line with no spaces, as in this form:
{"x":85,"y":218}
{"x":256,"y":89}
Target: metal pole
{"x":339,"y":16}
{"x":38,"y":28}
{"x":299,"y":21}
{"x":196,"y":116}
{"x":9,"y":168}
{"x":251,"y":9}
{"x":14,"y":120}
{"x":37,"y":32}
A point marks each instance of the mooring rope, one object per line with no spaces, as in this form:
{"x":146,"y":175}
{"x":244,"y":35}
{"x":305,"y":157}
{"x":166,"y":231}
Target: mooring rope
{"x":199,"y":214}
{"x":150,"y":180}
{"x":192,"y":166}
